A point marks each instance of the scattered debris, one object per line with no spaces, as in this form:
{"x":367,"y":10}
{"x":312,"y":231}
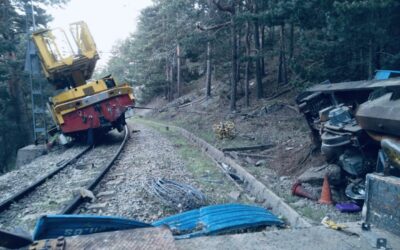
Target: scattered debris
{"x":348,"y":207}
{"x":176,"y":195}
{"x":85,"y":193}
{"x":315,"y":175}
{"x":298,"y":190}
{"x":381,"y":243}
{"x":326,"y":221}
{"x":365,"y":226}
{"x":355,"y":126}
{"x":261,"y":163}
{"x":235,"y":195}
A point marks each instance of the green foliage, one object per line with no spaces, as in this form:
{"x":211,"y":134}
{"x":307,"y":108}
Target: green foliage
{"x":15,"y":113}
{"x":322,"y":39}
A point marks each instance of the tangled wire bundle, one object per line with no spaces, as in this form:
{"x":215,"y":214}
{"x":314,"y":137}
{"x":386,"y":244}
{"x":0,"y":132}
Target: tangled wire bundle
{"x":176,"y":195}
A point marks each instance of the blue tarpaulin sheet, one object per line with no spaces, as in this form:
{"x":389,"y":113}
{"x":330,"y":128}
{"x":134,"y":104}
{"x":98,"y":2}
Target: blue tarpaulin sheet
{"x":208,"y":220}
{"x":385,"y":74}
{"x":215,"y":219}
{"x":53,"y":226}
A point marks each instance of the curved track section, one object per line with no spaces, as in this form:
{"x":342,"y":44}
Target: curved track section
{"x":60,"y":191}
{"x":73,"y":205}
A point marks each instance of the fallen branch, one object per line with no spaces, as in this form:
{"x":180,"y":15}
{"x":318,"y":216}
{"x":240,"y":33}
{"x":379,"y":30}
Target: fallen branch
{"x":292,"y":108}
{"x":192,"y":102}
{"x":259,"y":156}
{"x":279,"y":94}
{"x":256,"y":147}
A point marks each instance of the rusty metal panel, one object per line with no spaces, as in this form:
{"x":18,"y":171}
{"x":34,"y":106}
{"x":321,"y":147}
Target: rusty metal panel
{"x":380,"y":115}
{"x":356,"y":85}
{"x":144,"y":238}
{"x":383,"y":202}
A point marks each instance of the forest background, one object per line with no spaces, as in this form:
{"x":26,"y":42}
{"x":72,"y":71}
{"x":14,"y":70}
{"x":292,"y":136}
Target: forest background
{"x":248,"y":46}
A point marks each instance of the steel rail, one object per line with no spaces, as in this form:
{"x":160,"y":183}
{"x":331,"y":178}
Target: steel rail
{"x":21,"y":194}
{"x":77,"y":200}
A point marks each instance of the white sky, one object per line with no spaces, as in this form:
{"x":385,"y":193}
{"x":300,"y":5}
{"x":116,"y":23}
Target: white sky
{"x":108,"y":20}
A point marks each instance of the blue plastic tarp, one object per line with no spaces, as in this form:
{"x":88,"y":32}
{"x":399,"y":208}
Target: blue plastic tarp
{"x":216,"y":219}
{"x":53,"y":226}
{"x":385,"y":74}
{"x":208,"y":220}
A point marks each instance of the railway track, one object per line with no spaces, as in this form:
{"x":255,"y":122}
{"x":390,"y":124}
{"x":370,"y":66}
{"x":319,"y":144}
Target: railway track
{"x":59,"y":192}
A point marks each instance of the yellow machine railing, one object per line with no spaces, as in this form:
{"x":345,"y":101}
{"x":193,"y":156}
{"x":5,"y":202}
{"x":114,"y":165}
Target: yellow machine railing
{"x":68,"y":59}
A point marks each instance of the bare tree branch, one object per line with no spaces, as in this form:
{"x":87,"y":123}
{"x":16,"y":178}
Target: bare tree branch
{"x":213,"y":27}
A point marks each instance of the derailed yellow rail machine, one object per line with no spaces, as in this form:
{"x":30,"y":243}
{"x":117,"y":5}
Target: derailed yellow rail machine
{"x":68,"y":60}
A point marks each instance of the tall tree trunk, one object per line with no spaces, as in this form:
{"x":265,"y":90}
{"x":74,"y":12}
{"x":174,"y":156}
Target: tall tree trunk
{"x":234,"y":65}
{"x":171,"y":82}
{"x":208,"y":73}
{"x":248,"y":63}
{"x":167,"y":63}
{"x":178,"y":69}
{"x":262,"y":41}
{"x":238,"y":56}
{"x":291,"y":46}
{"x":370,"y":59}
{"x":231,"y":9}
{"x":260,"y":90}
{"x":167,"y":90}
{"x":282,"y":71}
{"x":272,"y":36}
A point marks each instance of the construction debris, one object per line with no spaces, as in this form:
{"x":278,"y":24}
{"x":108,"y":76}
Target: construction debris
{"x":326,"y":221}
{"x":298,"y":190}
{"x":315,"y":175}
{"x":176,"y":195}
{"x":85,"y":193}
{"x":216,"y":219}
{"x":348,"y":207}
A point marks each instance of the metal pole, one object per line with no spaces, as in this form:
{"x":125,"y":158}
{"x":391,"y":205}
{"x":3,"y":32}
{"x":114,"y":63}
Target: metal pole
{"x":33,"y":17}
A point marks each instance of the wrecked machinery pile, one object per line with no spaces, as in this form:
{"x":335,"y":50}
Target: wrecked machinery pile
{"x":356,"y":126}
{"x":82,"y":106}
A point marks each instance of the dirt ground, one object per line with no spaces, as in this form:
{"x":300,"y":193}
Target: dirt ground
{"x":273,"y":120}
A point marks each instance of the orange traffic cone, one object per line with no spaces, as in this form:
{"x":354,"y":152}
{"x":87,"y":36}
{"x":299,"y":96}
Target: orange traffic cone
{"x":298,"y":190}
{"x":326,"y":197}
